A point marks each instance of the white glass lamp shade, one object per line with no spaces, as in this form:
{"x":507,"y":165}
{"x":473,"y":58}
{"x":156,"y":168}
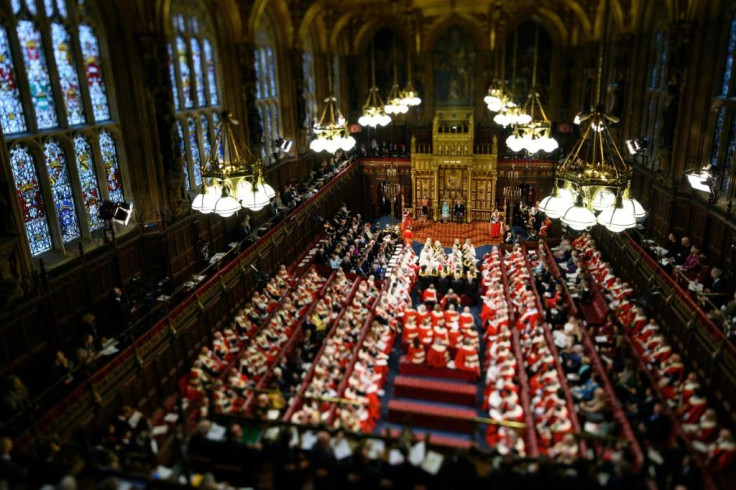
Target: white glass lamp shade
{"x":515,"y":143}
{"x":603,"y":199}
{"x":226,"y":206}
{"x":579,"y":218}
{"x":548,"y":144}
{"x":205,"y":203}
{"x":255,"y":200}
{"x":556,"y":204}
{"x":635,"y":208}
{"x":270,"y":193}
{"x":522,"y":118}
{"x":616,"y":219}
{"x":317,"y":144}
{"x":502,"y":119}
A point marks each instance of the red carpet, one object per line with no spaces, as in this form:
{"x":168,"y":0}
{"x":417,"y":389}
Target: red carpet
{"x":438,"y":417}
{"x":477,"y":231}
{"x":434,"y":390}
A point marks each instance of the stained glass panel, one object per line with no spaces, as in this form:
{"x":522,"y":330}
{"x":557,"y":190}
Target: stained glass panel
{"x":206,"y":143}
{"x":68,"y":79}
{"x":49,"y":5}
{"x":31,"y":201}
{"x":112,"y":168}
{"x":31,"y":4}
{"x":198,"y":75}
{"x":194,"y":150}
{"x":172,"y":75}
{"x":38,"y":74}
{"x":717,"y":137}
{"x":215,"y":129}
{"x":729,"y":58}
{"x":184,"y":77}
{"x":257,"y":63}
{"x":93,"y":69}
{"x":183,"y":153}
{"x":271,"y":72}
{"x":211,"y":76}
{"x":15,"y":5}
{"x":88,"y":181}
{"x":11,"y":108}
{"x":61,"y":188}
{"x":61,"y":5}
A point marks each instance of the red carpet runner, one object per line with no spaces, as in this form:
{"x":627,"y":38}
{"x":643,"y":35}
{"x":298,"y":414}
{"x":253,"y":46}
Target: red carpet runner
{"x":446,"y":233}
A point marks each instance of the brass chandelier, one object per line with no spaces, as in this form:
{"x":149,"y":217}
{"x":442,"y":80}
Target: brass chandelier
{"x":373,"y":113}
{"x":594,"y":177}
{"x":331,"y":132}
{"x":232,"y":176}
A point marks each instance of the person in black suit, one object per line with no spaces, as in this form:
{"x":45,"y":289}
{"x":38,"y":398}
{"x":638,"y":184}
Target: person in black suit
{"x":459,"y":211}
{"x":717,"y":293}
{"x":11,"y":473}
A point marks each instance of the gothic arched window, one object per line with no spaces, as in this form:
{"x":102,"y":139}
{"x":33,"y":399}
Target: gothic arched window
{"x":193,"y":73}
{"x":656,"y":88}
{"x":267,"y":84}
{"x":723,"y":140}
{"x":310,"y":85}
{"x":52,"y":81}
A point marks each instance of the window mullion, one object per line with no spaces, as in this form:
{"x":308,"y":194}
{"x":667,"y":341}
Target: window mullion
{"x":76,"y":181}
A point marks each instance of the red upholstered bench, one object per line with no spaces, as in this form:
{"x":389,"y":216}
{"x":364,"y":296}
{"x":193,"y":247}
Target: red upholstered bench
{"x":445,"y":441}
{"x":595,"y":312}
{"x":435,"y":390}
{"x":407,"y":368}
{"x":432,"y":416}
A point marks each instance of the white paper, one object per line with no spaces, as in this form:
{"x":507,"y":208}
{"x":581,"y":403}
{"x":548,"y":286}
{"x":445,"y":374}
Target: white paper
{"x":395,"y":457}
{"x":216,"y":432}
{"x":271,"y":434}
{"x":342,"y":449}
{"x":160,"y":430}
{"x":700,"y":447}
{"x":294,"y":441}
{"x":273,"y":414}
{"x":134,"y":419}
{"x":171,"y":417}
{"x":164,"y":473}
{"x":377,"y":448}
{"x":418,"y":453}
{"x":433,"y":462}
{"x":109,"y":350}
{"x":309,"y":439}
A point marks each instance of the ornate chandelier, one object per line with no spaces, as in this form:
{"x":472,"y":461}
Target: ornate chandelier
{"x":535,"y":134}
{"x":410,"y":96}
{"x":232,"y":176}
{"x":373,"y":112}
{"x":594,"y":177}
{"x":331,"y":132}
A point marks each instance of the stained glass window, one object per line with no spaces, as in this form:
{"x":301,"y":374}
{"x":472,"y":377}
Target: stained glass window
{"x":31,"y":4}
{"x":49,"y":5}
{"x":15,"y":5}
{"x":198,"y":75}
{"x":88,"y":181}
{"x":194,"y":150}
{"x":60,"y":4}
{"x":31,"y":201}
{"x":67,"y":74}
{"x":11,"y":109}
{"x":267,"y":93}
{"x":729,"y":58}
{"x":172,"y":75}
{"x":183,"y":153}
{"x":61,"y":189}
{"x":112,"y":167}
{"x":211,"y":76}
{"x":717,"y":137}
{"x":38,"y":74}
{"x":184,"y":77}
{"x":93,"y":70}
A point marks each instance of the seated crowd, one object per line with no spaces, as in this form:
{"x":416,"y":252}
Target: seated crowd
{"x":676,"y":390}
{"x":437,"y":333}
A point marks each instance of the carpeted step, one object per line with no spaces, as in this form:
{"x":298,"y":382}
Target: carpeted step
{"x":435,"y":390}
{"x":432,"y":415}
{"x":422,"y":370}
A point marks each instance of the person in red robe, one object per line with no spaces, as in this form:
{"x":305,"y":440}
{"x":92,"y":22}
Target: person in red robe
{"x":722,"y":453}
{"x":429,"y":296}
{"x":496,"y":227}
{"x":408,"y":236}
{"x":466,"y":358}
{"x":438,"y":355}
{"x":415,"y":353}
{"x":407,"y":222}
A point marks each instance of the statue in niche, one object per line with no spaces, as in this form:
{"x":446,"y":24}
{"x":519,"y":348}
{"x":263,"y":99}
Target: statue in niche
{"x":454,"y":57}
